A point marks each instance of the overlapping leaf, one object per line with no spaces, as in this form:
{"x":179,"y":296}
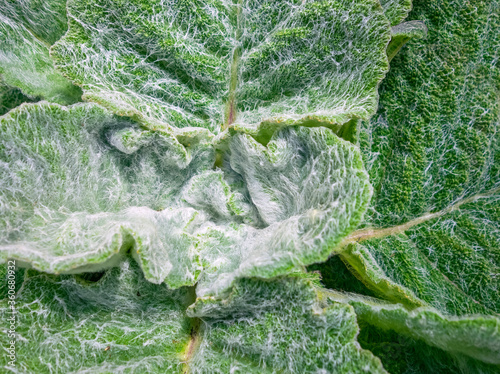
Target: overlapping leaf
{"x":72,"y":202}
{"x":309,"y":190}
{"x":81,"y":187}
{"x":278,"y":326}
{"x":244,"y":63}
{"x":120,"y":323}
{"x":435,"y":224}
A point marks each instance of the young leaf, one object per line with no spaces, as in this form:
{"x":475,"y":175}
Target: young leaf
{"x":71,"y":201}
{"x":105,"y":186}
{"x":309,"y":190}
{"x":242,"y":63}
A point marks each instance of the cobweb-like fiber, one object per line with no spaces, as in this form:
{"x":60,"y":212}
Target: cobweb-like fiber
{"x":80,"y":188}
{"x":215,"y":63}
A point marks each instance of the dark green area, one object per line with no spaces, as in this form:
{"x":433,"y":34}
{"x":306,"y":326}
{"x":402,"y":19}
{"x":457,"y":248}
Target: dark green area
{"x":335,"y":275}
{"x":5,"y":276}
{"x":402,"y":355}
{"x":435,"y":137}
{"x":11,"y":97}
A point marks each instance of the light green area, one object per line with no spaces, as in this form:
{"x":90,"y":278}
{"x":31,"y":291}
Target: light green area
{"x":45,"y":19}
{"x":309,"y":190}
{"x":74,"y":200}
{"x":80,"y":188}
{"x":119,"y":323}
{"x":278,"y":326}
{"x":27,"y":30}
{"x":219,"y":63}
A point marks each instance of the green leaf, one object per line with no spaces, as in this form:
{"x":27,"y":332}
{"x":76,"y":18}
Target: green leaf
{"x":27,"y":30}
{"x":44,"y":19}
{"x":304,"y":192}
{"x":401,"y":354}
{"x":396,"y":10}
{"x":80,"y":188}
{"x":255,"y":65}
{"x":432,"y":152}
{"x":402,"y":34}
{"x":72,"y":202}
{"x":473,"y":336}
{"x":115,"y":322}
{"x":118,"y":322}
{"x":278,"y":326}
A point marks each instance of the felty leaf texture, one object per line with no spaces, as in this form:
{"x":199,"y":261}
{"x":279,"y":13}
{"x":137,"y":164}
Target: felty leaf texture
{"x":166,"y":224}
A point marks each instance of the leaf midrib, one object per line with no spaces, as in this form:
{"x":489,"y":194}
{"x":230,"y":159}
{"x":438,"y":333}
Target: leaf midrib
{"x":376,"y":233}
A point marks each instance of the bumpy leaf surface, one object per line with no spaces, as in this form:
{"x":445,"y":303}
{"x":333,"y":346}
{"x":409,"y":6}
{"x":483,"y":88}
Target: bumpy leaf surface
{"x":278,"y":326}
{"x":81,"y":187}
{"x":254,"y":64}
{"x":145,"y":172}
{"x":27,"y":30}
{"x":432,"y":237}
{"x":396,"y":10}
{"x":120,"y":323}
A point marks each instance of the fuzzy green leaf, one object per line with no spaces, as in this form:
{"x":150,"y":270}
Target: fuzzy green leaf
{"x":308,"y":190}
{"x":255,"y":64}
{"x":81,"y":187}
{"x":396,"y":10}
{"x":73,"y":199}
{"x":27,"y":30}
{"x":116,"y":322}
{"x":473,"y":336}
{"x":432,"y":236}
{"x":278,"y":326}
